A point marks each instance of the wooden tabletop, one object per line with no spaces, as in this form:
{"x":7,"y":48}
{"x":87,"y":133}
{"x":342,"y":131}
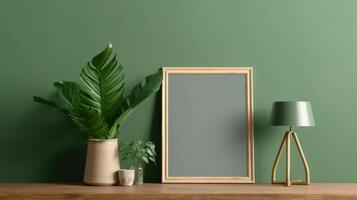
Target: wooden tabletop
{"x":180,"y":191}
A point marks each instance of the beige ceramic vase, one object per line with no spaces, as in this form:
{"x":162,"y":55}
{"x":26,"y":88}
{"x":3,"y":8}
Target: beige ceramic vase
{"x":102,"y":162}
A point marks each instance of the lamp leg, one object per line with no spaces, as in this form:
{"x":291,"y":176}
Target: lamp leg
{"x":303,"y":159}
{"x":288,"y":177}
{"x":278,"y":156}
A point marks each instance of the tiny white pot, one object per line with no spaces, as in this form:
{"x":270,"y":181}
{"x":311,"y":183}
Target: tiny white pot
{"x":126,"y":177}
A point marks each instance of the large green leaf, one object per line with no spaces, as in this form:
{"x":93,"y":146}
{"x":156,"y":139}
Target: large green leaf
{"x":114,"y":130}
{"x":89,"y":121}
{"x":144,"y":89}
{"x":148,"y":86}
{"x":49,"y":103}
{"x":69,"y":93}
{"x":86,"y":118}
{"x":102,"y":83}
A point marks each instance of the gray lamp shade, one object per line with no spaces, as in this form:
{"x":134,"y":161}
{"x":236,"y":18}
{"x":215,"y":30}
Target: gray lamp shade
{"x":292,"y":113}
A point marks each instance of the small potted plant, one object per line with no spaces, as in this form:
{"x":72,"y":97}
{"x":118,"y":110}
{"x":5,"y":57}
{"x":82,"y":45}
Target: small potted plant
{"x":138,"y":153}
{"x":126,"y":177}
{"x":98,"y":106}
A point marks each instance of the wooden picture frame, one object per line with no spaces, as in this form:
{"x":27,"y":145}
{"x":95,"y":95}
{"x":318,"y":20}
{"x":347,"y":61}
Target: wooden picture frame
{"x":173,"y":174}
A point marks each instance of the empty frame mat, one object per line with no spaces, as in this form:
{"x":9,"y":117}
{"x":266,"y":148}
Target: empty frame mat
{"x":207,"y":125}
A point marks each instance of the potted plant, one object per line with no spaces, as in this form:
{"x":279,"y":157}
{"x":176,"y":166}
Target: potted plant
{"x":138,"y":153}
{"x":98,"y":106}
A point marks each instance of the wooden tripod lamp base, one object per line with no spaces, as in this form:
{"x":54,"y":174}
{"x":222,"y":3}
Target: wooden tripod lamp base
{"x":290,"y":135}
{"x":291,"y":113}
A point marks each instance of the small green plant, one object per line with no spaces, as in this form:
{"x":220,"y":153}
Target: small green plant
{"x":97,"y":104}
{"x":138,"y":152}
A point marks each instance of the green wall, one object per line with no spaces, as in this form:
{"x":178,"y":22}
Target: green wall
{"x":300,"y":50}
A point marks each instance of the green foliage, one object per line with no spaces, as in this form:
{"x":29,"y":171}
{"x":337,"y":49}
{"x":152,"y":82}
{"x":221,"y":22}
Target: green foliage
{"x":97,"y":105}
{"x":137,"y":151}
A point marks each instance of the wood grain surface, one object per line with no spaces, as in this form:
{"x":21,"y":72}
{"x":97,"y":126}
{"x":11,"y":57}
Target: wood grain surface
{"x":315,"y":191}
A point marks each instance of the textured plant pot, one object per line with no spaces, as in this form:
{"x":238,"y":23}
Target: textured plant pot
{"x":126,"y":177}
{"x":102,"y":162}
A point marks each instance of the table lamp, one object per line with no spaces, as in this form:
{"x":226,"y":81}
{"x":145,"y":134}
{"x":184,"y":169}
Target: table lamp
{"x":291,"y":113}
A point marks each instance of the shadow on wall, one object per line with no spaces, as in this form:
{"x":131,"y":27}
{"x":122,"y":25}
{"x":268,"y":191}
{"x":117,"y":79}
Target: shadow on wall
{"x":69,"y":164}
{"x":152,"y":173}
{"x":263,"y":140}
{"x":261,"y":124}
{"x":57,"y":146}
